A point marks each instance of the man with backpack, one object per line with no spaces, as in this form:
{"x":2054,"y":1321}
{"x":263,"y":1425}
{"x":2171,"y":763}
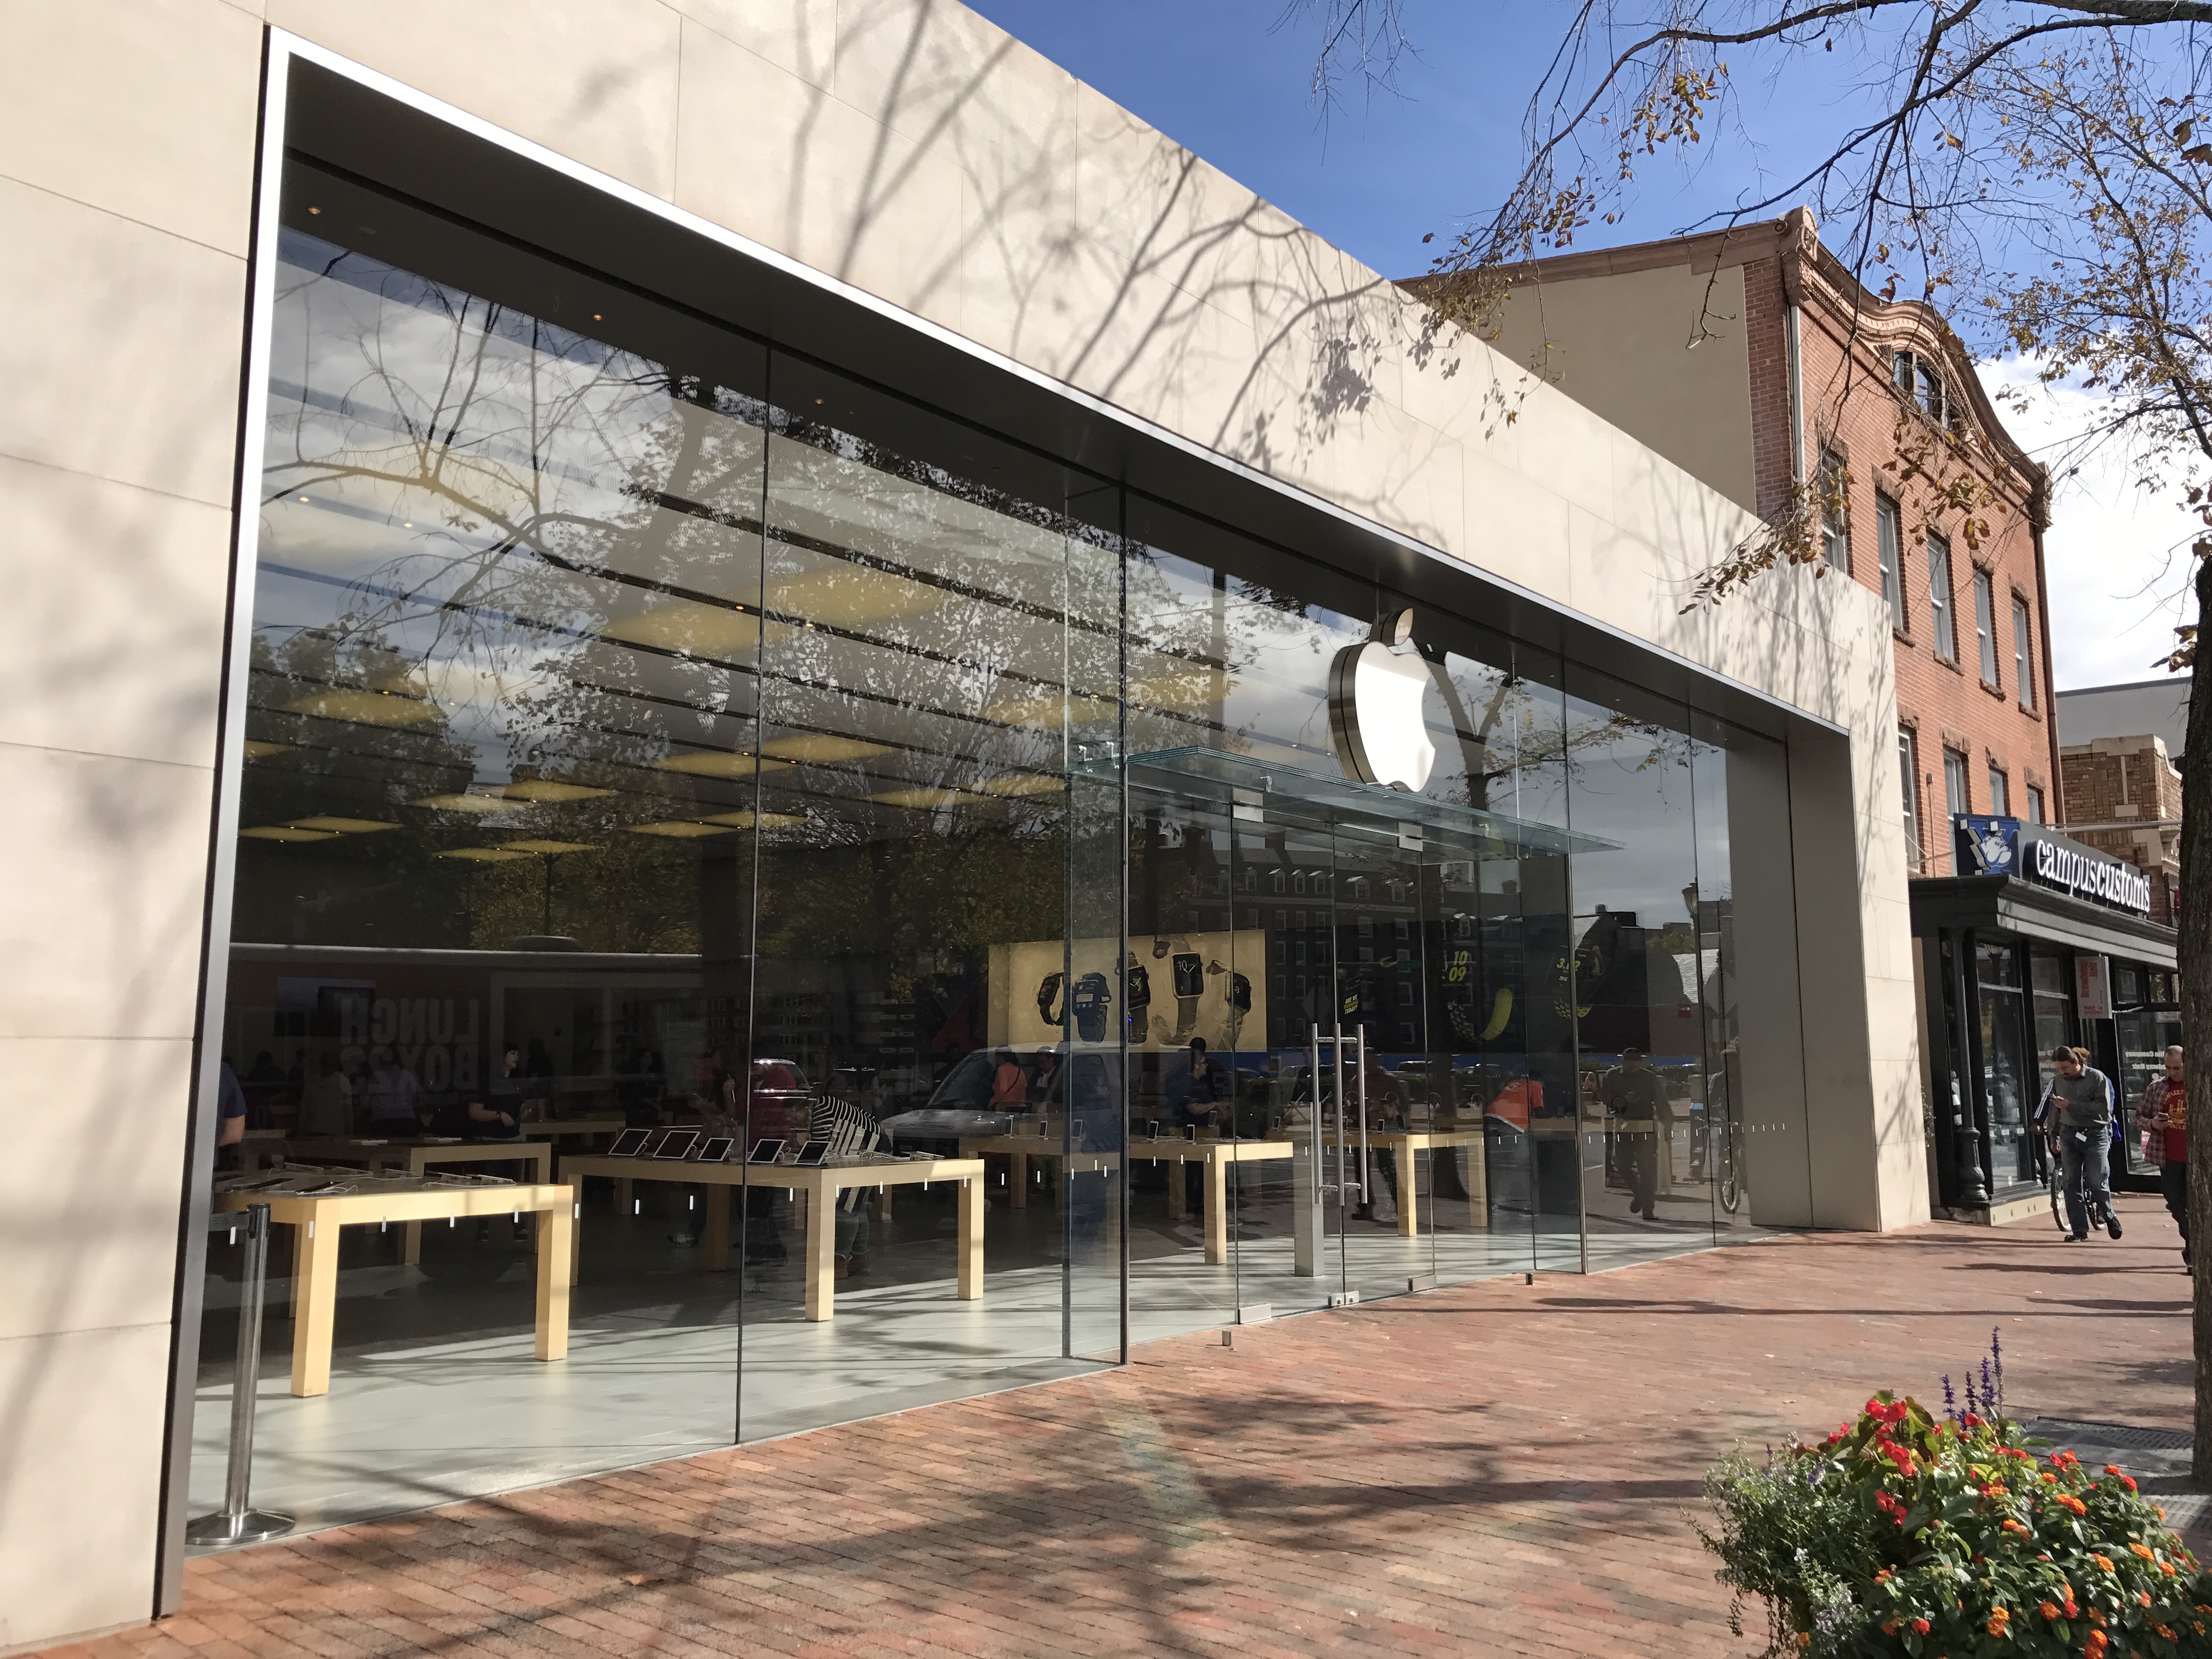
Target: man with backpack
{"x":2082,"y":1115}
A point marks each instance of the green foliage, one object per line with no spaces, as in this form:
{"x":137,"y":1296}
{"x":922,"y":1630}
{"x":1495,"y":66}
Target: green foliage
{"x":1905,"y":1532}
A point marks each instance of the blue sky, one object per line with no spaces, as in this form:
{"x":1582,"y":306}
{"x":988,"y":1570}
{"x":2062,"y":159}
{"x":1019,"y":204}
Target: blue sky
{"x":1220,"y":78}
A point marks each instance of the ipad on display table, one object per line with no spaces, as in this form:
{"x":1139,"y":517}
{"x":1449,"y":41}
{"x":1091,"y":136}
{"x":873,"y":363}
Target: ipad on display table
{"x":676,"y":1143}
{"x":717,"y":1151}
{"x":629,"y":1143}
{"x":765,"y":1152}
{"x":812,"y":1154}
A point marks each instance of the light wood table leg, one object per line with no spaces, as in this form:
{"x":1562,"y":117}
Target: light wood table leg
{"x":884,"y":1203}
{"x":714,"y":1230}
{"x":1217,"y":1209}
{"x":1178,"y":1200}
{"x":820,"y":1257}
{"x":556,"y":1232}
{"x":411,"y":1247}
{"x":1017,"y":1180}
{"x":623,"y":1199}
{"x":972,"y":1239}
{"x":1409,"y":1195}
{"x":316,"y":1295}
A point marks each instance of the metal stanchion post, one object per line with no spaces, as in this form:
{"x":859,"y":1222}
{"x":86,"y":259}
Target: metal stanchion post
{"x":238,"y":1521}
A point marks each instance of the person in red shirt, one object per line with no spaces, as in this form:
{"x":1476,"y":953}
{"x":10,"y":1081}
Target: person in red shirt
{"x":2165,"y":1111}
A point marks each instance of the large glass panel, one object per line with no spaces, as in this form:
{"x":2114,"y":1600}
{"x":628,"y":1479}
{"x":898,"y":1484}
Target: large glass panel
{"x":507,"y":555}
{"x":922,"y":680}
{"x":1640,"y":1034}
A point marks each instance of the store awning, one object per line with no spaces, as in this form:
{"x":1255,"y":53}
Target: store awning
{"x":2008,"y":904}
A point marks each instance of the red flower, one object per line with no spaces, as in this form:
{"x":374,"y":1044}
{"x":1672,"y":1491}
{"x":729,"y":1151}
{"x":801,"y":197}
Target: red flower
{"x":1920,"y":1627}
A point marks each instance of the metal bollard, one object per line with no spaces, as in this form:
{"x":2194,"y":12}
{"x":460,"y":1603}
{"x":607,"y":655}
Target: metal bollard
{"x":238,"y":1521}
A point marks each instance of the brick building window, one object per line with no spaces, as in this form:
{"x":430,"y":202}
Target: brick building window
{"x":1908,"y":773}
{"x":2023,"y":661}
{"x":1955,"y":796}
{"x":1985,"y":625}
{"x":1920,"y":383}
{"x":1835,"y":512}
{"x":2000,"y":793}
{"x":2034,"y":804}
{"x":1889,"y":538}
{"x":1939,"y":598}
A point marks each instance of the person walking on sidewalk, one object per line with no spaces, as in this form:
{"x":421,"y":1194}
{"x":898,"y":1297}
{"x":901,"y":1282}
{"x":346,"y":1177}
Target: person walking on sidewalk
{"x":2082,"y":1103}
{"x":2164,"y":1114}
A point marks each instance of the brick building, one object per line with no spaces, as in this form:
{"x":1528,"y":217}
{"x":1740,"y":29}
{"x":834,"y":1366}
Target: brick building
{"x":1754,"y":360}
{"x":1855,"y":427}
{"x":2123,"y":797}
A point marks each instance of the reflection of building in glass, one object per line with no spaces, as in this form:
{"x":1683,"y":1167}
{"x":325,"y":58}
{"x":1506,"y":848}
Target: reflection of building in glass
{"x":829,"y":844}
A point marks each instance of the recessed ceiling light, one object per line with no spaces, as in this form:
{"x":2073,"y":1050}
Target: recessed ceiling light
{"x":254,"y":748}
{"x":547,"y":789}
{"x":482,"y":854}
{"x":1021,"y":783}
{"x":697,"y":630}
{"x":717,"y":763}
{"x":466,"y":803}
{"x":314,"y":210}
{"x":678,"y":830}
{"x":923,"y":797}
{"x":286,"y":832}
{"x":597,"y":318}
{"x":550,"y":849}
{"x":344,"y":826}
{"x":822,"y":747}
{"x":364,"y":707}
{"x":765,"y":820}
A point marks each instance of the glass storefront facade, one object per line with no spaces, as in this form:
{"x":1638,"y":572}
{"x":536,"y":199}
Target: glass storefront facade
{"x":653,"y":732}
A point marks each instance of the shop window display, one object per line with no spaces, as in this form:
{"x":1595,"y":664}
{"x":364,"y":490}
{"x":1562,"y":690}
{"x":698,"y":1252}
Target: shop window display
{"x":916,"y":892}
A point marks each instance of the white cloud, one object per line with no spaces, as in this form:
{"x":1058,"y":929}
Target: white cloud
{"x":2116,"y":556}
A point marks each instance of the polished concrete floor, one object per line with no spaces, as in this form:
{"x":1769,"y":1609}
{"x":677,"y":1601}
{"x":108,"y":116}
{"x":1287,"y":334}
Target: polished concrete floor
{"x":434,"y":1395}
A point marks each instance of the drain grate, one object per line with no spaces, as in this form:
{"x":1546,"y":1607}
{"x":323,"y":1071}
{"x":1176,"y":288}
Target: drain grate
{"x":2119,"y":1436}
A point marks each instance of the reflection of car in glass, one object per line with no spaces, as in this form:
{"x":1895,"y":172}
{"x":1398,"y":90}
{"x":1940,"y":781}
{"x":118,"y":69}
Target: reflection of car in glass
{"x":959,"y":1104}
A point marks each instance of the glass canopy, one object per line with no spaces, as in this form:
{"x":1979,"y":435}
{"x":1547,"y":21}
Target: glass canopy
{"x":1265,"y":791}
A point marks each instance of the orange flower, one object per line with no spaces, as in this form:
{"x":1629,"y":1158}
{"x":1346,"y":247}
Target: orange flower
{"x":2104,"y":1562}
{"x":2143,"y":1596}
{"x":2049,"y":1609}
{"x":2095,"y":1647}
{"x":2143,"y":1550}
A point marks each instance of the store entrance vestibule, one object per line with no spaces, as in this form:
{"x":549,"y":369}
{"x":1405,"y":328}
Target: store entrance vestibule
{"x":1381,"y":1114}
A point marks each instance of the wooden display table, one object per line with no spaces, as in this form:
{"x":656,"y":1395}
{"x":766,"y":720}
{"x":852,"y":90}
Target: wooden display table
{"x":315,"y":1251}
{"x":552,"y":1128}
{"x":1216,"y":1156}
{"x":1019,"y":1150}
{"x":418,"y":1155}
{"x":821,"y":1186}
{"x":1402,"y":1143}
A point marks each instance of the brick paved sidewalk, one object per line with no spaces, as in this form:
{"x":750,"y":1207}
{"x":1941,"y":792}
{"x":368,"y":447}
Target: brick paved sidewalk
{"x":1500,"y":1468}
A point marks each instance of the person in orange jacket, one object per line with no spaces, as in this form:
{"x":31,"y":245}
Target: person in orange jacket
{"x":2164,"y":1112}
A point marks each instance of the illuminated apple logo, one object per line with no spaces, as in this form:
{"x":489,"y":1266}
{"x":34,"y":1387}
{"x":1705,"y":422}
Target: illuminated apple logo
{"x":1375,"y":696}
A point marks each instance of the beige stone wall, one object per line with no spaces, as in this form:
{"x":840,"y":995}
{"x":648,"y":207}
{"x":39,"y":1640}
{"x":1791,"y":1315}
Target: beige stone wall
{"x":1621,"y":347}
{"x":904,"y":146}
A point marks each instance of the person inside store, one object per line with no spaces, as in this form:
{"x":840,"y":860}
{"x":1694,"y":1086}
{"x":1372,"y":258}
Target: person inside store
{"x":229,"y":1116}
{"x":2164,"y":1113}
{"x":1194,"y":1090}
{"x":393,"y":1096}
{"x":2081,"y":1120}
{"x":483,"y":1122}
{"x":326,"y":1103}
{"x":1010,"y":1084}
{"x":1384,"y":1106}
{"x":1635,"y":1099}
{"x":1044,"y":1082}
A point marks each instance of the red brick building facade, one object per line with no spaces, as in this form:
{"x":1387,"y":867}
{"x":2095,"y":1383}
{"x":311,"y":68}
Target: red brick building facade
{"x":2124,"y":795}
{"x":1755,"y":360}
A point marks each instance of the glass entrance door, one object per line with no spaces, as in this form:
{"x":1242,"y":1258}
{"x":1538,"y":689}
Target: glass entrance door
{"x":1360,"y":1114}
